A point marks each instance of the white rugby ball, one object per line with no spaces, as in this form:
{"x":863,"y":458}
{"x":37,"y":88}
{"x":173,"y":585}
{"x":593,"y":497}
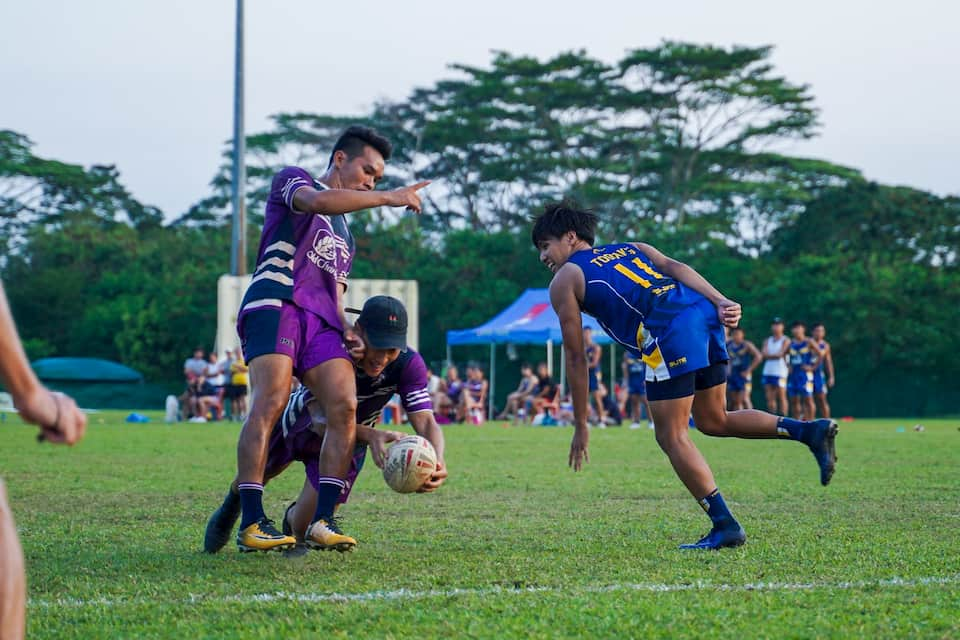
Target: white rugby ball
{"x":410,"y":462}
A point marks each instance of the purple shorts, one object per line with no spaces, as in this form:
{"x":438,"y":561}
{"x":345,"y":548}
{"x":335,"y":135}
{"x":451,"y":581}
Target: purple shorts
{"x":300,"y":334}
{"x":304,"y":445}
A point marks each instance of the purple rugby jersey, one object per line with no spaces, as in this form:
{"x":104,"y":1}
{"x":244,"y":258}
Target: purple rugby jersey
{"x":293,"y":437}
{"x":302,"y":256}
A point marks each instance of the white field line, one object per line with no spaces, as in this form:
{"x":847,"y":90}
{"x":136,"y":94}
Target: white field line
{"x":409,"y":594}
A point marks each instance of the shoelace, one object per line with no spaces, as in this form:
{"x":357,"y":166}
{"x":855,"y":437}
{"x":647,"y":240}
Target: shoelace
{"x":267,"y":526}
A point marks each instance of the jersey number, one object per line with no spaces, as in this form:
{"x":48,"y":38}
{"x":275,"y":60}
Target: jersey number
{"x":636,"y":277}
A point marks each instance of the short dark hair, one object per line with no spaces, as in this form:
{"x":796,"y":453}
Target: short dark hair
{"x":735,"y":329}
{"x":560,"y":217}
{"x":525,"y":365}
{"x":796,"y":324}
{"x":355,"y":138}
{"x":818,"y":324}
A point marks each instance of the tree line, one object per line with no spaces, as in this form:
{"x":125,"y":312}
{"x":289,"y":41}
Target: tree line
{"x":675,"y":145}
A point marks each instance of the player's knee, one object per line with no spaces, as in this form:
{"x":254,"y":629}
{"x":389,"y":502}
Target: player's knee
{"x":670,"y":440}
{"x":341,"y":408}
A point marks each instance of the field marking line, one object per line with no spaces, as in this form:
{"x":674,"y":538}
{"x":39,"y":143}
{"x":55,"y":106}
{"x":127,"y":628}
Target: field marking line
{"x":409,"y":594}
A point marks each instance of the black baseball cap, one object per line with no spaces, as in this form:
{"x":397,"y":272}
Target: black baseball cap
{"x":777,"y":320}
{"x":384,"y":319}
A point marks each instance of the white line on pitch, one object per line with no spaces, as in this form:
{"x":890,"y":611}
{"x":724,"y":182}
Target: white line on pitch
{"x":409,"y":594}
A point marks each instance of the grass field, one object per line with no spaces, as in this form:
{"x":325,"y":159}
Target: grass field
{"x":515,"y":545}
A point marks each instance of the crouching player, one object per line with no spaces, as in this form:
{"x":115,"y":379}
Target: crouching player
{"x":386,"y":367}
{"x":670,"y":316}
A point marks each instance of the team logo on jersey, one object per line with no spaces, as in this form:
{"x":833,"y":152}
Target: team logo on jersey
{"x":325,"y":245}
{"x":327,"y":248}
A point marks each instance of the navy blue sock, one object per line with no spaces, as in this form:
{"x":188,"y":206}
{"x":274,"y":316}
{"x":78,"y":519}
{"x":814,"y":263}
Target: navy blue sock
{"x":328,"y":490}
{"x":790,"y":428}
{"x":231,"y":502}
{"x":251,"y":501}
{"x":717,"y":509}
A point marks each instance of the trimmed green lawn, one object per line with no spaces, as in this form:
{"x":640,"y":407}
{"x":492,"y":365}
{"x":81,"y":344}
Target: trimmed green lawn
{"x":514,"y":545}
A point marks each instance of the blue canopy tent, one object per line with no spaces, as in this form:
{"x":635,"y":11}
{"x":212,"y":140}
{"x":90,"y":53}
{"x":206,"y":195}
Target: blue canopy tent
{"x":530,"y":319}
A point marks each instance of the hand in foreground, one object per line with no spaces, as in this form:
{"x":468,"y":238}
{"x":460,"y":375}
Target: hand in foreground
{"x":378,"y":444}
{"x":729,"y":312}
{"x":56,"y":414}
{"x":354,"y":345}
{"x":407,"y":196}
{"x":435,"y":480}
{"x":578,"y":448}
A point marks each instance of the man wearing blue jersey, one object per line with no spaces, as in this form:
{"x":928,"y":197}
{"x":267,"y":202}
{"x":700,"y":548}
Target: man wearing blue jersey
{"x":744,"y":358}
{"x":635,"y":374}
{"x":669,"y":315}
{"x":594,"y":354}
{"x":823,"y":377}
{"x":802,"y":359}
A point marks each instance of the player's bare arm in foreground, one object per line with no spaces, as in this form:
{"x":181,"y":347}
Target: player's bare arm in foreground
{"x":60,"y":421}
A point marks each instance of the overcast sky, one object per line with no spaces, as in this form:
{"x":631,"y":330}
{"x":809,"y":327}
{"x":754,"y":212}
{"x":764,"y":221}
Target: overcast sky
{"x":147,"y":84}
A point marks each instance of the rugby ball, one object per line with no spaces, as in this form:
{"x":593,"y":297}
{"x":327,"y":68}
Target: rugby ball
{"x":410,"y":462}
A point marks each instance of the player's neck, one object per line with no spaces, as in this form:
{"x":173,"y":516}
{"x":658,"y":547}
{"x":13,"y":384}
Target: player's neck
{"x":330,"y":179}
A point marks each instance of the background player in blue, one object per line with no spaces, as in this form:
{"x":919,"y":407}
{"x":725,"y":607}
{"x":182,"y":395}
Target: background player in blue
{"x":744,"y":358}
{"x":386,"y":367}
{"x":291,"y":320}
{"x":823,"y":377}
{"x":803,"y":359}
{"x":634,"y":374}
{"x":594,"y":353}
{"x":667,"y":313}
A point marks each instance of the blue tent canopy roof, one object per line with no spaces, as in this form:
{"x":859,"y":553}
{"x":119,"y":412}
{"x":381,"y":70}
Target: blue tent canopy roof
{"x":530,"y":319}
{"x":84,"y":370}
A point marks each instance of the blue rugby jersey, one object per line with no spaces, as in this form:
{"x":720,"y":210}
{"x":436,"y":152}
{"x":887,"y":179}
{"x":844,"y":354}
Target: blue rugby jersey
{"x":627,"y":296}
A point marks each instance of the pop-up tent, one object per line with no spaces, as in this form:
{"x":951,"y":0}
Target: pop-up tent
{"x":530,"y":319}
{"x":96,"y":383}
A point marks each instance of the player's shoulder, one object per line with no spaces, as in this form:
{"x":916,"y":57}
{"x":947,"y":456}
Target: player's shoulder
{"x":291,"y":176}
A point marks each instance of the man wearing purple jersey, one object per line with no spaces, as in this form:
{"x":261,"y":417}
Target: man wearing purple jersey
{"x":387,"y":367}
{"x":291,"y":322}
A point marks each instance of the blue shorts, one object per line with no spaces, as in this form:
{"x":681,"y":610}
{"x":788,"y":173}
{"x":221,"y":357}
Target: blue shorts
{"x":800,"y":384}
{"x":692,"y":340}
{"x":775,"y":381}
{"x":593,"y":383}
{"x":636,"y":385}
{"x":736,"y":382}
{"x":819,"y":386}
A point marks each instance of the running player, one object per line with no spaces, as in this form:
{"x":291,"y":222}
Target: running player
{"x":823,"y":380}
{"x":775,"y":349}
{"x":291,"y":321}
{"x":669,"y":315}
{"x":802,"y":358}
{"x":634,"y":372}
{"x":387,"y":367}
{"x":594,"y":353}
{"x":744,"y":358}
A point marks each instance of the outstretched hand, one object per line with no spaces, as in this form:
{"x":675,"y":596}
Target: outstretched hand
{"x":729,"y":312}
{"x":578,"y":449}
{"x":378,"y":444}
{"x":407,"y":196}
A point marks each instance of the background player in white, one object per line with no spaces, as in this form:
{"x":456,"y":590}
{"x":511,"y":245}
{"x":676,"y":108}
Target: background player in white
{"x":775,"y":370}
